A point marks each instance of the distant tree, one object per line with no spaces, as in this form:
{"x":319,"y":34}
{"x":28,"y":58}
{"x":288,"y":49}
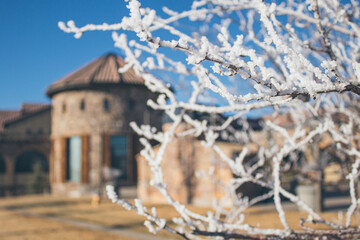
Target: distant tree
{"x":296,"y":61}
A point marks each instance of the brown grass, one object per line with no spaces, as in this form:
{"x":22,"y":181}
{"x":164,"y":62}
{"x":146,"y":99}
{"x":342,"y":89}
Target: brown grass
{"x":17,"y":226}
{"x":106,"y":214}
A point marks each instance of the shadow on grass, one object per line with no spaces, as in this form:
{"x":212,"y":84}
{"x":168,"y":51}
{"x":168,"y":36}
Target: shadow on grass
{"x":127,"y":226}
{"x":43,"y":204}
{"x":54,"y":216}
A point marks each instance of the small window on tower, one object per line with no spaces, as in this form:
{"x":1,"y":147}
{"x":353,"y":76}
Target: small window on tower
{"x":64,"y":107}
{"x":131,"y":104}
{"x":82,"y":105}
{"x":106,"y":105}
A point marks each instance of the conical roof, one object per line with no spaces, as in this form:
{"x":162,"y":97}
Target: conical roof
{"x":100,"y":72}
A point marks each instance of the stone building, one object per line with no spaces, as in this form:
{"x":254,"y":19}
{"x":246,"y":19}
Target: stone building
{"x":91,"y":140}
{"x":25,"y":149}
{"x":83,"y":140}
{"x":182,"y":159}
{"x":186,"y":166}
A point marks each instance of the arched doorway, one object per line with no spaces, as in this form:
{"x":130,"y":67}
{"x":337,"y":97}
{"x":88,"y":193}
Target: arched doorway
{"x":2,"y":176}
{"x":31,"y":173}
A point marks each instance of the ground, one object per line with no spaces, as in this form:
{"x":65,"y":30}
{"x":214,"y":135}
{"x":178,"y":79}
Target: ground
{"x":46,"y":217}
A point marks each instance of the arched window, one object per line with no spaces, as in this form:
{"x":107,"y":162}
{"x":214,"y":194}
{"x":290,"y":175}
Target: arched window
{"x":28,"y":161}
{"x":82,"y":105}
{"x":31,"y":173}
{"x":106,"y":105}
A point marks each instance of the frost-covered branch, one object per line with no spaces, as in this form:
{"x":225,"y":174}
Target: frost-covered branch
{"x":293,"y":65}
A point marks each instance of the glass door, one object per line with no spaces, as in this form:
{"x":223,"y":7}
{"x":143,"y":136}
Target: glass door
{"x":74,"y":159}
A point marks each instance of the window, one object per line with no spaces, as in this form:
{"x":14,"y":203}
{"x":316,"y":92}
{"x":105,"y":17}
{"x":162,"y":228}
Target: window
{"x":82,"y":105}
{"x":31,"y":173}
{"x":146,"y":117}
{"x":249,"y":159}
{"x":2,"y":166}
{"x":106,"y":105}
{"x":131,"y":104}
{"x":119,"y":155}
{"x":27,"y":161}
{"x":64,"y":107}
{"x":73,"y":159}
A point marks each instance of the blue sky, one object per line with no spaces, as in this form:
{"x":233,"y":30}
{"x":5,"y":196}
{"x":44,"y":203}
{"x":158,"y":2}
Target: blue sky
{"x":34,"y":52}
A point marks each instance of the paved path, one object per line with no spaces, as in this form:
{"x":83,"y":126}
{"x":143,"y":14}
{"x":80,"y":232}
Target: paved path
{"x":93,"y":226}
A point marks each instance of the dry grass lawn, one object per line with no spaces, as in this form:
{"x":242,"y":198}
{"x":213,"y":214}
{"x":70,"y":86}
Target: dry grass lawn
{"x":106,"y":214}
{"x":17,"y":226}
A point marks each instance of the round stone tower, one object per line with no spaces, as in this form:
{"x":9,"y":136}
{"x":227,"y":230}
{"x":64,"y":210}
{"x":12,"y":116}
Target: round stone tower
{"x":92,"y":143}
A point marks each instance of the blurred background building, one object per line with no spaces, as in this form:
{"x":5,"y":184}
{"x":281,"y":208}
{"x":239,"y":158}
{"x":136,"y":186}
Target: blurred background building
{"x":83,"y":140}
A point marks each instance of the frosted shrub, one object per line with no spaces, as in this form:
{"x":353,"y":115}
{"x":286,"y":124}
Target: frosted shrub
{"x":295,"y":60}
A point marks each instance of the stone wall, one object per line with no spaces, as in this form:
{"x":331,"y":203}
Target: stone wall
{"x":182,"y":159}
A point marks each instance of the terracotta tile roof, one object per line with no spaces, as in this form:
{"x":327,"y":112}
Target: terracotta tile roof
{"x":33,"y":107}
{"x":6,"y":116}
{"x":26,"y":110}
{"x":104,"y":70}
